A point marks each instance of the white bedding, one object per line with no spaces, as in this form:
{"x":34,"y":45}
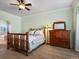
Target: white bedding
{"x":35,"y":39}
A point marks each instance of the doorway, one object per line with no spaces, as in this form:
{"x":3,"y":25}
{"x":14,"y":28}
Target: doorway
{"x":3,"y":31}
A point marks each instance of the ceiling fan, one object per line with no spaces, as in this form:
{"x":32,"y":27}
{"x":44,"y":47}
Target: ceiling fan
{"x":22,"y":5}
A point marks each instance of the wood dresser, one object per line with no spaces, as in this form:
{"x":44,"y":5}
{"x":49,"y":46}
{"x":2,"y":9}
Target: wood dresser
{"x":60,"y":37}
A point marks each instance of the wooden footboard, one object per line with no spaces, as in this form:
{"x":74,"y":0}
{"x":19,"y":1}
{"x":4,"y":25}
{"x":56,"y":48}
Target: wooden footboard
{"x":18,"y":41}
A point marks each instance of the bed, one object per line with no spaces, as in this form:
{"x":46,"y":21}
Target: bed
{"x":26,"y":42}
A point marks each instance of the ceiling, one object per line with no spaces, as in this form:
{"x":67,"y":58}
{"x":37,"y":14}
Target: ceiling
{"x":37,"y":6}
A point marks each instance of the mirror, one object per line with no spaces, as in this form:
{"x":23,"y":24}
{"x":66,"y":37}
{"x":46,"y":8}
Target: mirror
{"x":59,"y":25}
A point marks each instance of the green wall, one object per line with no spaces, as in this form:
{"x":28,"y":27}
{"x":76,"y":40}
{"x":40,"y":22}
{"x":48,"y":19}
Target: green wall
{"x":46,"y":18}
{"x":15,"y":21}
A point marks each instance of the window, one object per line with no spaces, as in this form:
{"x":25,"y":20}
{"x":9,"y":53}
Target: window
{"x":3,"y":29}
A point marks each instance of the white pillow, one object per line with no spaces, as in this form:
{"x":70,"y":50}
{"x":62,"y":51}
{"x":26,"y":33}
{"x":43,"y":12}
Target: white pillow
{"x":39,"y":32}
{"x":31,"y":32}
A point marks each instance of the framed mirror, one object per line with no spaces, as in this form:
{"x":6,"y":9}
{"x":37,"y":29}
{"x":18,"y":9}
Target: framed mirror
{"x":59,"y":25}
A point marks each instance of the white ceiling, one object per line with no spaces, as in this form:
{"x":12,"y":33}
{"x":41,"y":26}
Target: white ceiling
{"x":37,"y":6}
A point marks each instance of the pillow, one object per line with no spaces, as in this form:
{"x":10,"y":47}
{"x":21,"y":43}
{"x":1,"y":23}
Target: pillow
{"x":36,"y":31}
{"x":31,"y":32}
{"x":39,"y":32}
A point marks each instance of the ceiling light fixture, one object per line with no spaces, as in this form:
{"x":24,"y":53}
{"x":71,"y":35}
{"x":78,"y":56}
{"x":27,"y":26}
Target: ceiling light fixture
{"x":22,"y":6}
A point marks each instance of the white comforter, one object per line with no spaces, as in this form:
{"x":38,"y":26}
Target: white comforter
{"x":35,"y":41}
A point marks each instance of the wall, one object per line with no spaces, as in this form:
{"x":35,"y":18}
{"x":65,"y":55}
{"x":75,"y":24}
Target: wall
{"x":77,"y":33}
{"x":75,"y":2}
{"x":45,"y":18}
{"x":2,"y":22}
{"x":75,"y":25}
{"x":77,"y":29}
{"x":15,"y":21}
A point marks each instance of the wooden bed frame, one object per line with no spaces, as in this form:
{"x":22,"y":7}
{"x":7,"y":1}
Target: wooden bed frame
{"x":14,"y":38}
{"x":22,"y":38}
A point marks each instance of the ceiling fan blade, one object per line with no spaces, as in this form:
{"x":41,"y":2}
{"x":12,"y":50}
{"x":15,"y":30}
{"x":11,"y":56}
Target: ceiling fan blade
{"x":19,"y":1}
{"x":27,"y":8}
{"x":22,"y":1}
{"x":28,"y":4}
{"x":13,"y":4}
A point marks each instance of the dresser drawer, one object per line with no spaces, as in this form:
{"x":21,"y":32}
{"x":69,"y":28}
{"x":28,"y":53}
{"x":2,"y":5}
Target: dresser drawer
{"x":60,"y":38}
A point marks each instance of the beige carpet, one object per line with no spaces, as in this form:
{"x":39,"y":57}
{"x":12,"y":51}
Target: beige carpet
{"x":43,"y":52}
